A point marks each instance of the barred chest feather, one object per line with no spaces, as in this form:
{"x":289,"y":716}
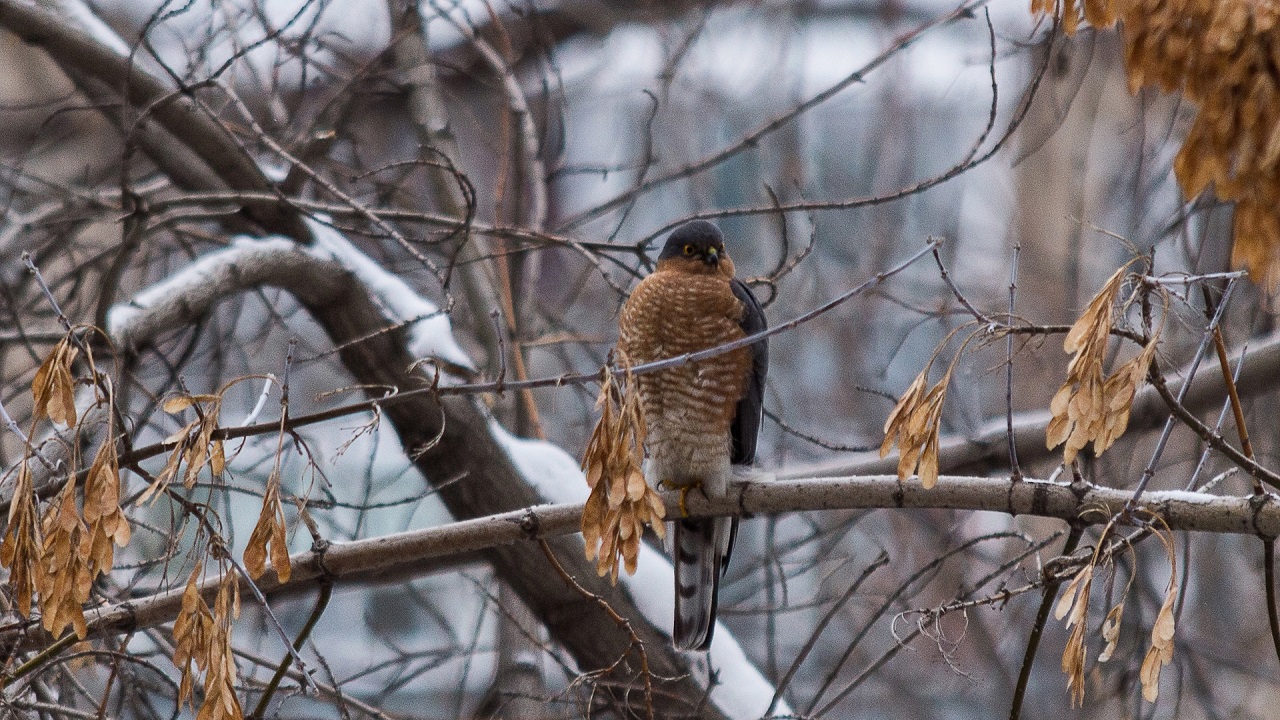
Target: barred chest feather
{"x":688,"y":409}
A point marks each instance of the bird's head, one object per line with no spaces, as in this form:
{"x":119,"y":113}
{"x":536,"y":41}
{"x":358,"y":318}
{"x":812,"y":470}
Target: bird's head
{"x":696,"y":247}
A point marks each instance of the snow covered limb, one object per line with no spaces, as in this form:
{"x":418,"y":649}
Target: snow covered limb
{"x":189,"y":295}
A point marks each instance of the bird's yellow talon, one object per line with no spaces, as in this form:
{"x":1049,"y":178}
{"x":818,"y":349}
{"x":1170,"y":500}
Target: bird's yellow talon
{"x":684,"y":489}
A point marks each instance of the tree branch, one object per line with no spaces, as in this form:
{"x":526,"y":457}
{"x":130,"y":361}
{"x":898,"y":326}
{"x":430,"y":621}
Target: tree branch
{"x":406,"y":553}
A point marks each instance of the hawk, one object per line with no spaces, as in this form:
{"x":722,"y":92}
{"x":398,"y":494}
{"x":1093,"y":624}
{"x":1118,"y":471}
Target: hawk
{"x":701,"y":418}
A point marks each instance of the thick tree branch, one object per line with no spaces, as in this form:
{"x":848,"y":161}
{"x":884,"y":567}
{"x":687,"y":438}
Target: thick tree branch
{"x":132,"y":98}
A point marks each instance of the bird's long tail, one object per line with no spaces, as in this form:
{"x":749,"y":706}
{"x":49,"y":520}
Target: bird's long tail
{"x":700,"y":549}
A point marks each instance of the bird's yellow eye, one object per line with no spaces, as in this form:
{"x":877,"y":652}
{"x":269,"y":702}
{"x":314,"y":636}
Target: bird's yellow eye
{"x":688,"y":249}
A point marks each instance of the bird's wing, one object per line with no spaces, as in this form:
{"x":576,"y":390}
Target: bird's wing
{"x":746,"y":420}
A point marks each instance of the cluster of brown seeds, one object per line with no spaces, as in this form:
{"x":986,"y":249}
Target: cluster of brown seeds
{"x":1223,"y":56}
{"x":621,"y":502}
{"x":1091,"y":406}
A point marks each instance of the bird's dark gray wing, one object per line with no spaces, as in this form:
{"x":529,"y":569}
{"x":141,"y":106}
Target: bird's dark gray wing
{"x":746,"y":421}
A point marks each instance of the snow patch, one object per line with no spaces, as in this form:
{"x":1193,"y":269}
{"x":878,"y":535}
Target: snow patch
{"x":429,"y":328}
{"x":86,"y":20}
{"x":548,"y":468}
{"x":1184,"y":496}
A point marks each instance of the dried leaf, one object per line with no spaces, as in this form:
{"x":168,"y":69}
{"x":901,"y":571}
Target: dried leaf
{"x":1090,"y":407}
{"x":178,"y":403}
{"x":1220,"y":56}
{"x":1073,"y":665}
{"x":203,"y":638}
{"x":913,"y":426}
{"x":1160,"y":653}
{"x":1111,"y":631}
{"x":1076,"y":595}
{"x":107,"y":525}
{"x":270,"y":531}
{"x":194,"y":446}
{"x":20,"y":548}
{"x":63,"y":578}
{"x":898,"y":418}
{"x":217,"y":458}
{"x":53,"y":388}
{"x":1074,"y":605}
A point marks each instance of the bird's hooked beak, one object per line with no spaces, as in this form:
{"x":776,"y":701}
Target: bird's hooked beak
{"x":711,"y":257}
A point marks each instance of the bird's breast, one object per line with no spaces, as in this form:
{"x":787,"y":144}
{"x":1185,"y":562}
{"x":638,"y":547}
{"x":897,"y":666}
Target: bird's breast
{"x":688,"y":408}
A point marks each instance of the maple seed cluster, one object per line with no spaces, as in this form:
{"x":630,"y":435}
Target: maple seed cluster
{"x":203,"y":638}
{"x":58,"y":558}
{"x":1074,"y":606}
{"x":270,"y":532}
{"x":1090,"y":407}
{"x":1220,"y":55}
{"x":55,"y":557}
{"x":195,"y":448}
{"x":193,"y":444}
{"x":913,"y":427}
{"x":621,"y":502}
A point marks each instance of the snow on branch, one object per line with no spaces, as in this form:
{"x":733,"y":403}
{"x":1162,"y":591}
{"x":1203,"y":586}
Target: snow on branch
{"x":191,"y":292}
{"x":320,"y":273}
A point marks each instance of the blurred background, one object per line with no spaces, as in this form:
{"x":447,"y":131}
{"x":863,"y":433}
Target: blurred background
{"x":583,"y":131}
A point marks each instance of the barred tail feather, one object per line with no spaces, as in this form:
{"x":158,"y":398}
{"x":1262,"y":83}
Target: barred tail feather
{"x":700,"y":551}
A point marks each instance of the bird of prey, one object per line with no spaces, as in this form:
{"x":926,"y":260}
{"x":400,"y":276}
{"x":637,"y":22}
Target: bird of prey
{"x":701,"y":418}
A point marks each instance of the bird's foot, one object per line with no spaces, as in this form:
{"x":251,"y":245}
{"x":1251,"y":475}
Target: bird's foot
{"x":684,"y":489}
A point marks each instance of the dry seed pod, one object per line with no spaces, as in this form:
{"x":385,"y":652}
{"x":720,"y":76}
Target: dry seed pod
{"x":1220,"y":56}
{"x":621,"y":503}
{"x":53,"y":388}
{"x":913,"y":426}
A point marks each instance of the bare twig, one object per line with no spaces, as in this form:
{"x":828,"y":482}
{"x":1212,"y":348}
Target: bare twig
{"x":530,"y":147}
{"x":1037,"y":628}
{"x":1014,"y":468}
{"x":879,"y":562}
{"x":48,"y":294}
{"x":1209,"y":332}
{"x":946,"y":278}
{"x":322,"y":601}
{"x":645,"y":674}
